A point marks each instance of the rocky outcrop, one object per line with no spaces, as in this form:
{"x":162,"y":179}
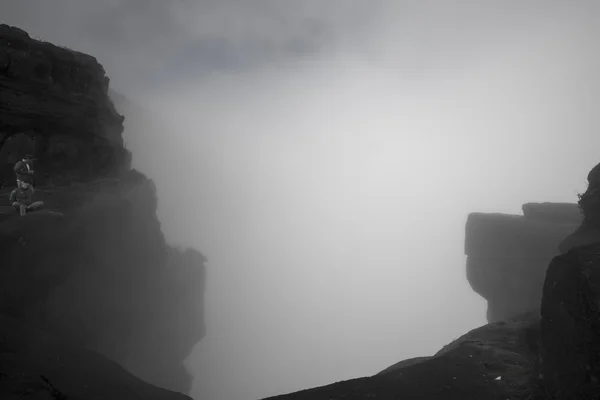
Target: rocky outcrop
{"x":54,"y":104}
{"x":507,"y":255}
{"x":94,"y":303}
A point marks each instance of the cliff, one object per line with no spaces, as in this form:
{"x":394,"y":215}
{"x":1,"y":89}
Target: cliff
{"x":94,"y":303}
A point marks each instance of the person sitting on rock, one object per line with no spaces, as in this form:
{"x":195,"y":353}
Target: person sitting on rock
{"x":21,"y":199}
{"x":24,"y":170}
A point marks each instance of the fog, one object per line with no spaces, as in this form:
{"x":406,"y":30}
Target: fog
{"x":324,"y":156}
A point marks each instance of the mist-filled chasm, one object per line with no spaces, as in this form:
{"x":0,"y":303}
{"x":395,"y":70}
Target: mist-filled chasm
{"x":325,"y":157}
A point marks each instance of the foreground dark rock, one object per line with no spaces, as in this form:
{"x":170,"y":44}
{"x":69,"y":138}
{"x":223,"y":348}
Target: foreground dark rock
{"x":570,"y":325}
{"x":570,"y":355}
{"x":38,"y":365}
{"x":94,"y":304}
{"x":507,"y":255}
{"x":494,"y":362}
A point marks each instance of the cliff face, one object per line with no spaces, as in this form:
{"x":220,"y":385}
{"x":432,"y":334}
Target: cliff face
{"x":507,"y":255}
{"x":93,"y":301}
{"x":54,"y":105}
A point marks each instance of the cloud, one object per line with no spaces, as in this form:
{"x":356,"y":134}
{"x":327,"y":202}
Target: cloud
{"x":143,"y":43}
{"x":145,"y":39}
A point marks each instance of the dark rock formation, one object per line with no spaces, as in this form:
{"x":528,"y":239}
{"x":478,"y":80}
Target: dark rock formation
{"x":99,"y":282}
{"x":507,"y":255}
{"x":494,"y":362}
{"x":570,"y":324}
{"x":35,"y":364}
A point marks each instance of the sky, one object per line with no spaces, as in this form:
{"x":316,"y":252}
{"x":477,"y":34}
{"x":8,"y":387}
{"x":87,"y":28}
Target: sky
{"x":324,"y":156}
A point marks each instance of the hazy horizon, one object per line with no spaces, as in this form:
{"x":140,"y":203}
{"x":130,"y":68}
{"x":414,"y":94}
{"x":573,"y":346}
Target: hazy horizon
{"x":324,"y":156}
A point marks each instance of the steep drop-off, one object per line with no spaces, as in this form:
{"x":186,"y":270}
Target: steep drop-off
{"x":94,"y":303}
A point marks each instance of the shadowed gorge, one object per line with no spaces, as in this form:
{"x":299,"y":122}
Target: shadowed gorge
{"x":94,"y":303}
